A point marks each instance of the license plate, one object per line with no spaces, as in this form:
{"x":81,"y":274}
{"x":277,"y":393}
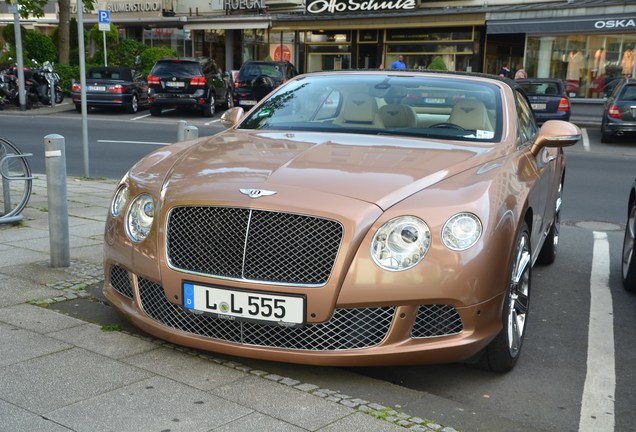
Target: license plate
{"x":95,"y":88}
{"x":263,"y":307}
{"x":248,"y":102}
{"x":175,"y":84}
{"x":536,"y":106}
{"x":435,"y":100}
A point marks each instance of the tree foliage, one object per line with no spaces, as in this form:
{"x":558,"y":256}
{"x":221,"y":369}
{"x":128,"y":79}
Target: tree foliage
{"x":437,"y":64}
{"x":39,"y":47}
{"x":35,"y":8}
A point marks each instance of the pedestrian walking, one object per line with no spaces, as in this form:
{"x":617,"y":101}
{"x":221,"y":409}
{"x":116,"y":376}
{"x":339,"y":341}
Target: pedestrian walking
{"x":399,"y":63}
{"x":520,"y":72}
{"x":505,"y":71}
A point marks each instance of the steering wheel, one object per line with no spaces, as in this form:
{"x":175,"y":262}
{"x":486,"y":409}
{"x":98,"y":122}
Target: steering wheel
{"x":447,"y":126}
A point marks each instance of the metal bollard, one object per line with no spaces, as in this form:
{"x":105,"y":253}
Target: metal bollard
{"x":181,"y":126}
{"x":55,"y":156}
{"x":190,"y":133}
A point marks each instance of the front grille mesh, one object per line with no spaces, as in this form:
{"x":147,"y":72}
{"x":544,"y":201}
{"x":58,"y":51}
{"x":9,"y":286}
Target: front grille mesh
{"x":436,"y":320}
{"x":347,"y":329}
{"x":120,"y":281}
{"x":253,"y":244}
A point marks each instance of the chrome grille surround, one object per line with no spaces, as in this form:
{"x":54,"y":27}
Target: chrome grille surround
{"x":253,"y":245}
{"x":120,"y":281}
{"x":347,"y":328}
{"x":436,"y":320}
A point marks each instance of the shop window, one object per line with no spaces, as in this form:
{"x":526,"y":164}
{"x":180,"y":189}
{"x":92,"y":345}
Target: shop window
{"x":589,"y":64}
{"x":328,"y":36}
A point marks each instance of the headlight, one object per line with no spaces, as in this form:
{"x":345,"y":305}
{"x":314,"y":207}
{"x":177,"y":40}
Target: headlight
{"x":461,"y":231}
{"x":401,"y":243}
{"x":139,"y":218}
{"x":119,"y":201}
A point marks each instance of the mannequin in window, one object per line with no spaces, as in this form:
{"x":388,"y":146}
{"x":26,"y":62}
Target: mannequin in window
{"x":599,"y":62}
{"x":628,"y":62}
{"x":598,"y":73}
{"x":575,"y":63}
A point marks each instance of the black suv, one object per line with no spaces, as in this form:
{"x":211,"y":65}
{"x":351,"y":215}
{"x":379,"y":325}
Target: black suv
{"x":257,"y":78}
{"x":187,"y":83}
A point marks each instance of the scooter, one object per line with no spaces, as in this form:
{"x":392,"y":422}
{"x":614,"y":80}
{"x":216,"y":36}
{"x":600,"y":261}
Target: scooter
{"x":47,"y":84}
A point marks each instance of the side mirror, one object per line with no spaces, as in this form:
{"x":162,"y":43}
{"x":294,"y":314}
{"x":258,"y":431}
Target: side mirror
{"x":232,"y":116}
{"x":556,"y":133}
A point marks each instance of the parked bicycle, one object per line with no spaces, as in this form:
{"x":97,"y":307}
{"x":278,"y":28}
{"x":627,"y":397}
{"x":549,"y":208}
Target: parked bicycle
{"x":16,"y":180}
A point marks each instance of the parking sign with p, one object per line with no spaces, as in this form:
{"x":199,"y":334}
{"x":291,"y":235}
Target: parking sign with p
{"x":103,"y":19}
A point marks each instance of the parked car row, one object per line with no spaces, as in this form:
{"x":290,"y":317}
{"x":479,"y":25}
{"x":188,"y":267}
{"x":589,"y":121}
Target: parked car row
{"x":181,"y":83}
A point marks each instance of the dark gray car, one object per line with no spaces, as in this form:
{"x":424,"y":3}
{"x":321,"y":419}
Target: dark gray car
{"x":182,"y":84}
{"x":547,"y":98}
{"x":619,"y":111}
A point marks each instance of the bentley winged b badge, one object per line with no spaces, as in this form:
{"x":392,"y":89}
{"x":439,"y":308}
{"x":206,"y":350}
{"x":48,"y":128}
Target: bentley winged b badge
{"x":257,"y":193}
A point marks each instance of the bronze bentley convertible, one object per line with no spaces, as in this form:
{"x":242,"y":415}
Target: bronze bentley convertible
{"x":349,"y":218}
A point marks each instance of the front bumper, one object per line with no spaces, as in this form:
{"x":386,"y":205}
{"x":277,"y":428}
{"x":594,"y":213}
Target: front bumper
{"x":368,"y":335}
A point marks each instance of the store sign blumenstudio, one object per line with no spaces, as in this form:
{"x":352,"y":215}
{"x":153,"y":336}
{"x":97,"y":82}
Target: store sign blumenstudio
{"x":335,"y":6}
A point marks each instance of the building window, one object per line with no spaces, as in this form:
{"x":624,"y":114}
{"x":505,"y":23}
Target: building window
{"x":589,"y":64}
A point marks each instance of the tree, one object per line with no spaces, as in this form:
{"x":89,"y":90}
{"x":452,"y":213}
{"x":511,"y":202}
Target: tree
{"x":35,"y":8}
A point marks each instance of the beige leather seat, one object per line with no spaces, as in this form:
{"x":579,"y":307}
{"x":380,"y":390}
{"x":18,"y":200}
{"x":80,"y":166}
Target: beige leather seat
{"x":398,"y":116}
{"x":359,"y":109}
{"x":471,"y":114}
{"x":394,"y":114}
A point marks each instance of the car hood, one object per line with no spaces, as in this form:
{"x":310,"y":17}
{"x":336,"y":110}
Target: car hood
{"x":374,"y":169}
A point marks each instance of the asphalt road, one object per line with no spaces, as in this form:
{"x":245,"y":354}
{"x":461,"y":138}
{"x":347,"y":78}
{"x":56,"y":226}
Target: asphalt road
{"x":552,"y":387}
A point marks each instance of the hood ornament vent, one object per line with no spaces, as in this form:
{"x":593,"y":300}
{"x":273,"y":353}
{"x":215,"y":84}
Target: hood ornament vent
{"x":256,"y":193}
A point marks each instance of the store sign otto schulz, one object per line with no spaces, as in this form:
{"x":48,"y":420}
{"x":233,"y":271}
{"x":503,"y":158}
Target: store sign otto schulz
{"x":335,"y":6}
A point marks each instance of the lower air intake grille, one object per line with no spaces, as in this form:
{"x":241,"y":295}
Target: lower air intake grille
{"x":436,"y":320}
{"x":120,"y":281}
{"x":347,"y":329}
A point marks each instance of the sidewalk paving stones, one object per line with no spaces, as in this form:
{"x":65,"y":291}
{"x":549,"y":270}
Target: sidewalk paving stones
{"x":60,"y":373}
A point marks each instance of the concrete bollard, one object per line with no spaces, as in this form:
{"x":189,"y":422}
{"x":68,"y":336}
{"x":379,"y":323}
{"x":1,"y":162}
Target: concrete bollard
{"x":181,"y":126}
{"x":190,"y":133}
{"x":55,"y":157}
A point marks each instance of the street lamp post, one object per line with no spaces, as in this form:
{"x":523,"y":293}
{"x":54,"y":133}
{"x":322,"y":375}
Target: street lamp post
{"x":15,"y":8}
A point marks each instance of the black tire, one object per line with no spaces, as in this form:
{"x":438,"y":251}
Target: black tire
{"x":133,"y":106}
{"x":59,"y":96}
{"x":628,"y":266}
{"x":261,"y":86}
{"x":548,"y":252}
{"x":606,"y":137}
{"x":208,"y":109}
{"x":155,"y":110}
{"x":503,"y":352}
{"x":229,"y":101}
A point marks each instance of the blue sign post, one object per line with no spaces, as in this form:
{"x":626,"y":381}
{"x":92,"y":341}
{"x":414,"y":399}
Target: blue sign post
{"x":103,"y":19}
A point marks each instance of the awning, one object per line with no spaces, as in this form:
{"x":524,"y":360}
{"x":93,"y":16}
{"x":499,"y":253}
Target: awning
{"x":581,"y":25}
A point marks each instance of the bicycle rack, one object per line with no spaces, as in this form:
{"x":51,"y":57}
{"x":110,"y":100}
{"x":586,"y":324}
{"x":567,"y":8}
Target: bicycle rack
{"x":6,"y":193}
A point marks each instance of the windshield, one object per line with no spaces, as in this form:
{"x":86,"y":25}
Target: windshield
{"x":420,"y":106}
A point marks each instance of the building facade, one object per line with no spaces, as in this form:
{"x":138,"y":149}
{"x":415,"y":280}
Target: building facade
{"x":587,"y":43}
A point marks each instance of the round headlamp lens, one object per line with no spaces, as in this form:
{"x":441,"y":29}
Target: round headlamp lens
{"x":461,"y":231}
{"x":400,"y":243}
{"x":119,"y":201}
{"x":140,"y":218}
